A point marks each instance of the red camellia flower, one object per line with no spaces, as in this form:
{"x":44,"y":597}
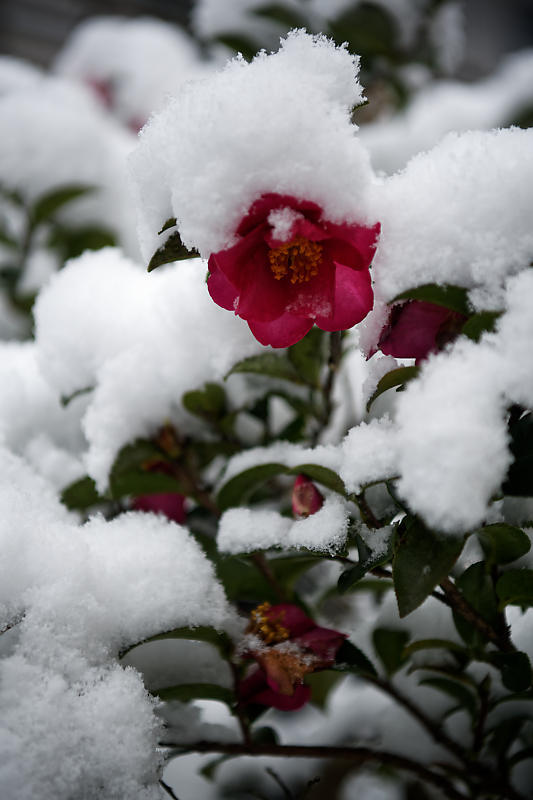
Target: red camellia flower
{"x":416,"y":328}
{"x":306,"y":499}
{"x":287,"y":645}
{"x":170,"y":504}
{"x":291,"y":269}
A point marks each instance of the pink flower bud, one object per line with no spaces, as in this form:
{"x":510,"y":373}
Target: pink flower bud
{"x":170,"y":504}
{"x":306,"y":499}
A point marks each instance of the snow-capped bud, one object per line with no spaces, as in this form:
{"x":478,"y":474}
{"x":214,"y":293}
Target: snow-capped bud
{"x":306,"y":499}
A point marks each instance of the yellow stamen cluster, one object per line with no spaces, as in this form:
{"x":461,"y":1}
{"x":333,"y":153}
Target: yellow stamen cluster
{"x":269,"y":629}
{"x":298,"y":259}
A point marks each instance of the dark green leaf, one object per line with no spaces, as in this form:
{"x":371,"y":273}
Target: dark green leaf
{"x":239,"y":44}
{"x":203,"y":633}
{"x":72,"y":242}
{"x":506,"y":732}
{"x":389,"y":644}
{"x":273,"y":365}
{"x":172,"y":250}
{"x":423,"y":558}
{"x":236,"y":490}
{"x":350,"y":658}
{"x":278,"y":12}
{"x":503,"y":543}
{"x":480,"y":323}
{"x":265,"y":735}
{"x":195,"y":691}
{"x":515,"y":587}
{"x":307,"y":356}
{"x":47,"y":205}
{"x":133,"y":473}
{"x":452,"y":297}
{"x":81,"y":494}
{"x":207,"y":403}
{"x":515,"y":670}
{"x":367,"y":562}
{"x":476,"y":587}
{"x":170,"y":223}
{"x":466,"y":699}
{"x":369,"y":30}
{"x":322,"y":683}
{"x":208,"y":771}
{"x":396,"y":377}
{"x":519,"y":481}
{"x":433,"y":644}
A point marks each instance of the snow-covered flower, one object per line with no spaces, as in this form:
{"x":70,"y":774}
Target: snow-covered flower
{"x":291,"y":268}
{"x":287,"y":645}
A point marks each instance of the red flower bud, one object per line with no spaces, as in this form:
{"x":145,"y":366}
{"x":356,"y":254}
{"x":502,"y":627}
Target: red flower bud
{"x":416,"y":328}
{"x":170,"y":504}
{"x":306,"y":499}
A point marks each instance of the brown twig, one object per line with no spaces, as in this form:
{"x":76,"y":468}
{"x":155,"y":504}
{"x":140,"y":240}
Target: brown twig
{"x":357,"y":755}
{"x":459,"y":604}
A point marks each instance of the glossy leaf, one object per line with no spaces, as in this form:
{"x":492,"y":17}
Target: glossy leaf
{"x":272,"y":365}
{"x":433,"y":644}
{"x":458,"y":691}
{"x":133,"y":472}
{"x":396,"y":377}
{"x":515,"y":587}
{"x":476,"y":587}
{"x":453,"y":297}
{"x":389,"y":644}
{"x":202,"y":633}
{"x":367,"y":562}
{"x":170,"y":223}
{"x":207,"y":403}
{"x":480,"y":323}
{"x":423,"y":558}
{"x":172,"y":250}
{"x":350,"y":658}
{"x":307,"y":356}
{"x":47,"y":205}
{"x":515,"y":669}
{"x":503,"y":543}
{"x":195,"y":691}
{"x":239,"y":44}
{"x":81,"y":494}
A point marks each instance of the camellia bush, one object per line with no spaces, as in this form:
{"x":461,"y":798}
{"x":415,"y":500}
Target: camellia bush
{"x":267,"y":504}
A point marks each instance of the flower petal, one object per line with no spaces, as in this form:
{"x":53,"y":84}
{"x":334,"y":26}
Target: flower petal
{"x":418,"y":328}
{"x":234,"y":262}
{"x":171,"y":504}
{"x":221,"y":290}
{"x":262,"y":298}
{"x":281,"y":332}
{"x":323,"y":642}
{"x":291,"y":617}
{"x":254,"y":689}
{"x":353,"y":299}
{"x":262,"y":207}
{"x":363,"y":239}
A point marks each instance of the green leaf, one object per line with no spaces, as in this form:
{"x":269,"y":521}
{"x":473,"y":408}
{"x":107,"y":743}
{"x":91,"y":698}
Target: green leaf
{"x":207,"y":403}
{"x":322,"y":684}
{"x":203,"y":633}
{"x":239,"y":44}
{"x":515,"y":587}
{"x":68,"y":398}
{"x":170,"y":223}
{"x":369,"y":30}
{"x":515,"y":670}
{"x":503,"y":543}
{"x":476,"y":587}
{"x":396,"y":377}
{"x":72,"y":242}
{"x":350,"y":658}
{"x":389,"y":644}
{"x":452,"y":297}
{"x":81,"y":494}
{"x":480,"y":323}
{"x":47,"y":205}
{"x":307,"y":356}
{"x":273,"y":365}
{"x":278,"y":12}
{"x":433,"y":644}
{"x":519,"y":481}
{"x":172,"y":250}
{"x":372,"y":559}
{"x":458,"y":691}
{"x":423,"y":558}
{"x":132,"y":472}
{"x":236,"y":490}
{"x":7,"y":241}
{"x":195,"y":691}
